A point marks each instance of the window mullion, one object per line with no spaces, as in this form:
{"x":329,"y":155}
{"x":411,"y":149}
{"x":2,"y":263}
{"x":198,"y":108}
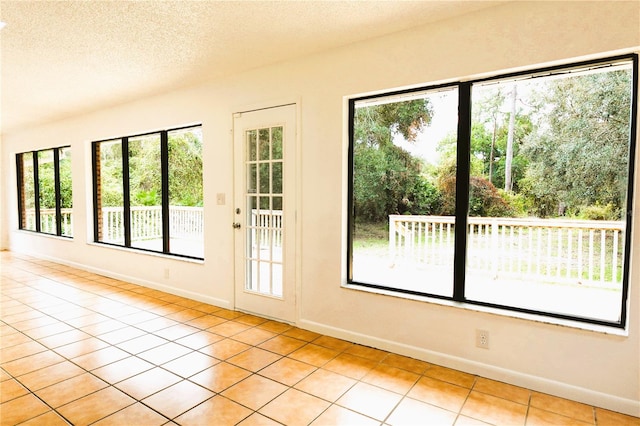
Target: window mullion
{"x":633,"y":132}
{"x":126,"y":196}
{"x":462,"y":189}
{"x":95,"y":149}
{"x":164,"y":172}
{"x":56,"y":183}
{"x":351,"y":207}
{"x":36,"y":190}
{"x":20,"y":175}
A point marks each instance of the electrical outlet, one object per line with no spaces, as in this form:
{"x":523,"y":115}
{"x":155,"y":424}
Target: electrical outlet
{"x":166,"y":273}
{"x":482,"y":339}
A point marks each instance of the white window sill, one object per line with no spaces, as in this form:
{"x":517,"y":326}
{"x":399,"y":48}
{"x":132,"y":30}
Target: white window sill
{"x":44,"y":234}
{"x":610,"y":330}
{"x":136,"y":251}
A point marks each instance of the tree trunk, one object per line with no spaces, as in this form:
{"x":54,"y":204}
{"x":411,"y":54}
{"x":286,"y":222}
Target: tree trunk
{"x":508,"y":186}
{"x":493,"y":145}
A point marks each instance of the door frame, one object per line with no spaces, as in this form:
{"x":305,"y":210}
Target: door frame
{"x":297,"y":192}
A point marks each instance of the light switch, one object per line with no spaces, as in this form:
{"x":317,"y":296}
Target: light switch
{"x":220,"y":198}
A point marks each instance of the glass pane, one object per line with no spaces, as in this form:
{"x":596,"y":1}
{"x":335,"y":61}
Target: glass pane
{"x":186,"y":201}
{"x":264,"y":203}
{"x":253,"y":277}
{"x":264,"y":178}
{"x":277,"y":178}
{"x":276,"y":279}
{"x":251,"y":223}
{"x":404,"y":191}
{"x":47,"y":191}
{"x":263,"y":144}
{"x":277,"y":203}
{"x":145,"y":189}
{"x":550,"y":167}
{"x":110,"y":198}
{"x":66,"y":191}
{"x":252,"y":148}
{"x":276,"y":143}
{"x":28,"y":193}
{"x":252,"y":178}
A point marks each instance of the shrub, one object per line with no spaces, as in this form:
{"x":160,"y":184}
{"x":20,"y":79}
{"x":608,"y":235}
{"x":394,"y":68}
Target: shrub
{"x":599,"y":212}
{"x":484,"y":198}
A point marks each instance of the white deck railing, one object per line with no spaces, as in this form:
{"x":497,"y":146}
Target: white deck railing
{"x":553,"y":250}
{"x":146,"y":223}
{"x":266,"y":228}
{"x":48,"y":221}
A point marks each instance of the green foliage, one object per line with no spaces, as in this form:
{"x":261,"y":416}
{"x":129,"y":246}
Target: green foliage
{"x":520,"y":205}
{"x":66,"y":187}
{"x":599,"y":212}
{"x":579,"y":155}
{"x":375,"y":125}
{"x":387,"y":178}
{"x":147,"y":198}
{"x":425,"y":198}
{"x":484,"y":198}
{"x":485,"y":134}
{"x":145,"y":184}
{"x":47,"y":185}
{"x":185,"y":169}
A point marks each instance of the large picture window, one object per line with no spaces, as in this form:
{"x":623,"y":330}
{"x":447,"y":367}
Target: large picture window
{"x":44,"y":191}
{"x":511,"y":192}
{"x":148,"y":192}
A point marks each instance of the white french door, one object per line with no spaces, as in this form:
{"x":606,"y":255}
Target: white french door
{"x":265,"y":239}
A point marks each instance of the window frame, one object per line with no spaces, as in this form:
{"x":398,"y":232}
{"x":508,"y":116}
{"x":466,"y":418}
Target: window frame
{"x":126,"y":202}
{"x":20,"y":175}
{"x":463,"y":155}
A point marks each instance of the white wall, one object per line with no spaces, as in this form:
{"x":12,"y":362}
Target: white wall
{"x":589,"y":366}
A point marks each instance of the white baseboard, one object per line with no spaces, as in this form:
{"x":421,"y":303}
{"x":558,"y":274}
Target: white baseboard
{"x":539,"y":384}
{"x":133,"y":280}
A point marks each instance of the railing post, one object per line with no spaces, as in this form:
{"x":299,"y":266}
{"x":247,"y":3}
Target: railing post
{"x":392,"y":237}
{"x":495,"y":242}
{"x":614,"y":258}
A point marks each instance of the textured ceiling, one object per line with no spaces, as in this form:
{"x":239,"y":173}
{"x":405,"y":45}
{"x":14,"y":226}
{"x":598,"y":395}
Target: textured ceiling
{"x":60,"y":58}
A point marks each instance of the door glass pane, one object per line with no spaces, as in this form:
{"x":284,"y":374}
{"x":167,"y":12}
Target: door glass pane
{"x":110,"y":198}
{"x":276,"y":143}
{"x":186,"y":220}
{"x":264,"y":213}
{"x":145,"y":189}
{"x":404,"y":171}
{"x":28,"y":193}
{"x":66,"y":192}
{"x":263,"y":144}
{"x":252,"y":147}
{"x":252,"y":178}
{"x":264,"y":178}
{"x":548,"y":192}
{"x":47,"y":191}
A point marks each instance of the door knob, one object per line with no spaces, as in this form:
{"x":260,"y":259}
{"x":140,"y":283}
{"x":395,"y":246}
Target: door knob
{"x":236,"y":225}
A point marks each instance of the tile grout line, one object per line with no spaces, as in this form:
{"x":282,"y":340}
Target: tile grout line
{"x":95,"y":290}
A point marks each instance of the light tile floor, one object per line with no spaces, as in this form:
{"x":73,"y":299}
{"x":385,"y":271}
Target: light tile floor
{"x":83,"y":349}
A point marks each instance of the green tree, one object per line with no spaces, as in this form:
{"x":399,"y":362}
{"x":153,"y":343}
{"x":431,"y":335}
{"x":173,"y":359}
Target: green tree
{"x":387,"y":178}
{"x":489,"y":139}
{"x":579,"y":155}
{"x":145,"y":182}
{"x":185,"y":169}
